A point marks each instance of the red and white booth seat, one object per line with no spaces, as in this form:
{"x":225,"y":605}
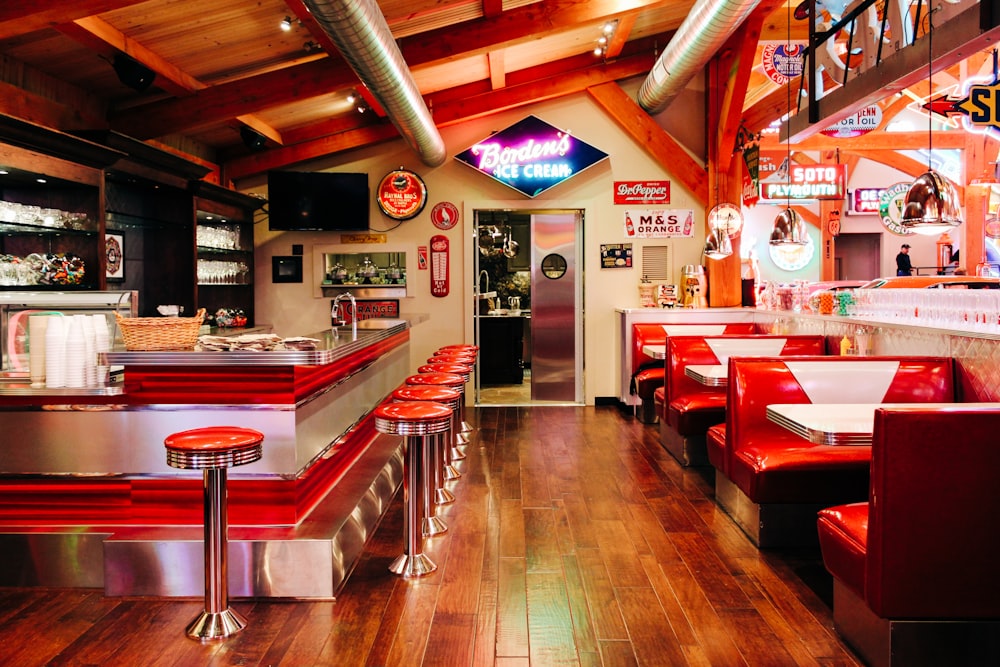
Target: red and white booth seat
{"x":687,"y":408}
{"x":773,"y":481}
{"x":916,"y":581}
{"x":647,"y":372}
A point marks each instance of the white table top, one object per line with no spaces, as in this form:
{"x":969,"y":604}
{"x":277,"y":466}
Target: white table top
{"x":839,"y":423}
{"x":655,"y":351}
{"x":827,"y":423}
{"x":711,"y":375}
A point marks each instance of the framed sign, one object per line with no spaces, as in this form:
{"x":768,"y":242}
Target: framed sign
{"x":616,"y":255}
{"x":370,"y":309}
{"x":401,"y":194}
{"x":114,"y":252}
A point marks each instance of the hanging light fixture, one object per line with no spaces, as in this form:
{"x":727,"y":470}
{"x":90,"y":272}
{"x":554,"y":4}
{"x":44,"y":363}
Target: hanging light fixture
{"x":718,"y":245}
{"x":931,"y":205}
{"x":789,"y":228}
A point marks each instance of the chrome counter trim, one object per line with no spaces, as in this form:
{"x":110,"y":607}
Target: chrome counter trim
{"x":333,"y":347}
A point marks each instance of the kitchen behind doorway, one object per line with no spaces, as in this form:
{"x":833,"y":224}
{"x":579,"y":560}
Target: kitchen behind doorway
{"x":508,"y":264}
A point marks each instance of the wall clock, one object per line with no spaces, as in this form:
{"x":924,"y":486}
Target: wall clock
{"x":726,"y":217}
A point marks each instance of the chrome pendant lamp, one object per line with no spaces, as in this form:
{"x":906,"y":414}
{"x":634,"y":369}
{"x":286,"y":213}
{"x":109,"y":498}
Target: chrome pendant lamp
{"x":718,"y":245}
{"x":789,"y":228}
{"x":931,"y":205}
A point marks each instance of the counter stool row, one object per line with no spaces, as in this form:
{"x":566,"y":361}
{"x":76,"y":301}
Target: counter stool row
{"x":429,"y":413}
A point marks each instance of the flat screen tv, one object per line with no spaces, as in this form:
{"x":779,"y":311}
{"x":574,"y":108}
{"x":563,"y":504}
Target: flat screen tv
{"x":317,"y":201}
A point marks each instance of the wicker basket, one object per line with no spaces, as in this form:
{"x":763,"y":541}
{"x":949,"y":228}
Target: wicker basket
{"x":160,"y":333}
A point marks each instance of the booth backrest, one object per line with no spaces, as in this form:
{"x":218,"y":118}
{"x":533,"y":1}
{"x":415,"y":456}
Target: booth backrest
{"x":683,"y":351}
{"x":756,"y":382}
{"x":656,"y":334}
{"x":932,"y":543}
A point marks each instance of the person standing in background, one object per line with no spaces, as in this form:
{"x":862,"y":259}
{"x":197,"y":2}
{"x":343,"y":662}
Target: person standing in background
{"x":903,"y":266}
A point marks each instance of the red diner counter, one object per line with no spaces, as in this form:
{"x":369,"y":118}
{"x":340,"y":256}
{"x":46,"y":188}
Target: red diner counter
{"x":87,"y":498}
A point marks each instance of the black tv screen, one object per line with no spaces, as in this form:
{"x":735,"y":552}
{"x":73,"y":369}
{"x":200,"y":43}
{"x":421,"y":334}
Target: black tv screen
{"x":317,"y":201}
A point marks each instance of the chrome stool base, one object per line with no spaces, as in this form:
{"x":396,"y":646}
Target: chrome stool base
{"x":443,"y":496}
{"x":433,"y":525}
{"x":416,"y":565}
{"x":451,"y":473}
{"x":219,"y":625}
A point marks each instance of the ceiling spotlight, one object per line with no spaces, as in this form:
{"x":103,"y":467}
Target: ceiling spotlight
{"x":609,"y":27}
{"x":286,"y":23}
{"x":599,"y":51}
{"x":311,"y":46}
{"x":602,"y":40}
{"x":351,"y":97}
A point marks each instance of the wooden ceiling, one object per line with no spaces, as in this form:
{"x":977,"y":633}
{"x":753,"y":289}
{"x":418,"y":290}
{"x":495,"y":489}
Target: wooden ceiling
{"x":225,"y":65}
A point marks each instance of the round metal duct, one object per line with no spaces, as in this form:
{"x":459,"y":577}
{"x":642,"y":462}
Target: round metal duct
{"x":363,"y":37}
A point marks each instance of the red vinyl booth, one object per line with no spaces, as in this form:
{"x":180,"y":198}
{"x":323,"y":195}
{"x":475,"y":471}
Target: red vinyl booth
{"x":915,"y":570}
{"x":688,"y":408}
{"x":647,"y":373}
{"x":773,"y":481}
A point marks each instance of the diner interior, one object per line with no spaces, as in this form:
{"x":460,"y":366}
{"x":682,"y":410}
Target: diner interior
{"x":794,"y":472}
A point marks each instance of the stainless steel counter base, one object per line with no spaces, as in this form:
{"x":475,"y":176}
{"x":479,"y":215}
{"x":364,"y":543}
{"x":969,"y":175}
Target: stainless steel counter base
{"x":308,"y":561}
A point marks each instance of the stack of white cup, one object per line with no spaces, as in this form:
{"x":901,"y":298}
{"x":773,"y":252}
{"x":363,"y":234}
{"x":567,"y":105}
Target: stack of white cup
{"x":55,"y":352}
{"x":76,"y":353}
{"x":102,"y":343}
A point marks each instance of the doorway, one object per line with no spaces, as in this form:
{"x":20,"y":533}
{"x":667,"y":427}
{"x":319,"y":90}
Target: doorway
{"x":527,"y":314}
{"x":858,"y":256}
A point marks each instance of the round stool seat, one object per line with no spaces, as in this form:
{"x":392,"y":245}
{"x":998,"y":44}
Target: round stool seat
{"x":416,"y":418}
{"x":213,"y":447}
{"x":449,"y":357}
{"x":473,"y":349}
{"x":444,"y":379}
{"x":435,"y":367}
{"x":434,"y":393}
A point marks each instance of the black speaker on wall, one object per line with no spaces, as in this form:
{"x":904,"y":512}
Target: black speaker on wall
{"x":132,"y":73}
{"x":252,"y":139}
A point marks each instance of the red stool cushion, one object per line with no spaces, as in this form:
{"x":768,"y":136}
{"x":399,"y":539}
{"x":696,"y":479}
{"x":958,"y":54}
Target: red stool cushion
{"x":463,"y":359}
{"x":434,"y":367}
{"x":443,"y":379}
{"x":214,"y":439}
{"x":433,"y":393}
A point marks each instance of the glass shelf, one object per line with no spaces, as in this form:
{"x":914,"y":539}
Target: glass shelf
{"x":211,"y":250}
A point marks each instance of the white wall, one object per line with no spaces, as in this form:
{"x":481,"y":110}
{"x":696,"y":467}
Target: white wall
{"x":297,"y":309}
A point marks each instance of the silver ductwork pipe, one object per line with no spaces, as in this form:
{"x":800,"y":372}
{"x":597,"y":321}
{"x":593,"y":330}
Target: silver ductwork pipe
{"x":706,"y":28}
{"x":362,"y":35}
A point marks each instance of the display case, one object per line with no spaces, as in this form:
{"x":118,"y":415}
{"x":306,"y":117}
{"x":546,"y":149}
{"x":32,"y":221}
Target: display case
{"x":225,"y":257}
{"x":367,"y":275}
{"x":50,"y":223}
{"x":16,"y":306}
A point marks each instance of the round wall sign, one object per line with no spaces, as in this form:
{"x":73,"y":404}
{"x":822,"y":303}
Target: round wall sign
{"x":444,"y":215}
{"x":890,"y":208}
{"x":782,"y":62}
{"x":862,"y":122}
{"x":792,"y":257}
{"x":401,"y":194}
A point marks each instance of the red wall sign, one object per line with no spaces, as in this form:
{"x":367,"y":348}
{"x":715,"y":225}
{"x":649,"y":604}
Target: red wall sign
{"x":444,"y":215}
{"x":439,"y":265}
{"x":401,"y":194}
{"x":642,"y":192}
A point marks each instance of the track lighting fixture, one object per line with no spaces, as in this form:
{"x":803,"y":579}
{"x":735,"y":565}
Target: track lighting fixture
{"x":286,"y":23}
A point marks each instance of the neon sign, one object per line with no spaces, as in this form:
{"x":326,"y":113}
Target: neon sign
{"x":818,"y":181}
{"x":531,"y":156}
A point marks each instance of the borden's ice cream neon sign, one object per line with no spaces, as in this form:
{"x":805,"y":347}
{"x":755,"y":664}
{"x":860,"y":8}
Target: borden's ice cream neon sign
{"x":531,"y":156}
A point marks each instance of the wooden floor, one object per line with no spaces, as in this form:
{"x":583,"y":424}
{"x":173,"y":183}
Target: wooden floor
{"x":575,"y":540}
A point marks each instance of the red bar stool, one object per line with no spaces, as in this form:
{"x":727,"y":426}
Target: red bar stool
{"x":450,"y":381}
{"x":416,"y":421}
{"x":213,"y":450}
{"x":463,"y":349}
{"x":432,"y":488}
{"x":440,"y":357}
{"x":432,"y":366}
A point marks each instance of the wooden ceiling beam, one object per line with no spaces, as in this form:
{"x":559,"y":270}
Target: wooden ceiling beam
{"x":626,"y":22}
{"x":878,"y":140}
{"x":652,"y":138}
{"x":229,"y":100}
{"x":22,"y":17}
{"x":455,"y":110}
{"x":498,"y":75}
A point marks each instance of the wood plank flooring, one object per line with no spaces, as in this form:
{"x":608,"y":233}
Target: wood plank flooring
{"x":575,"y":540}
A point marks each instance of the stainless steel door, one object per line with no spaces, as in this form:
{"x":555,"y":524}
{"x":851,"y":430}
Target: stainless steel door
{"x":556,"y":320}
